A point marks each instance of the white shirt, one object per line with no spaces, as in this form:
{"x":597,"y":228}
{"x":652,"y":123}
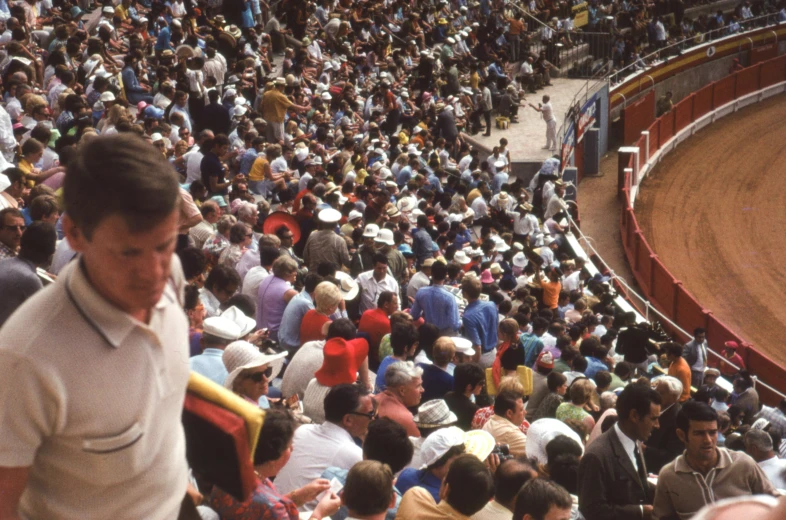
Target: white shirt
{"x":774,"y":469}
{"x":248,"y":261}
{"x":306,"y":361}
{"x":628,"y":444}
{"x":572,"y":281}
{"x":193,"y":165}
{"x":371,"y":289}
{"x":555,"y":205}
{"x":253,"y":279}
{"x":211,"y":303}
{"x":524,"y":224}
{"x":493,"y":511}
{"x":542,"y":432}
{"x":480,"y":208}
{"x":548,"y":112}
{"x":420,"y":279}
{"x":316,"y":447}
{"x":117,"y":434}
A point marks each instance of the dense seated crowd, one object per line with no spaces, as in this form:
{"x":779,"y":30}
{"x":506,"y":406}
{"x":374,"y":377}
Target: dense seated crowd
{"x":291,"y":211}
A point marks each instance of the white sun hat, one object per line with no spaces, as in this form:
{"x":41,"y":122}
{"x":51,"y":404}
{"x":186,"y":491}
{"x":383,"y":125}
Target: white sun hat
{"x":242,"y":355}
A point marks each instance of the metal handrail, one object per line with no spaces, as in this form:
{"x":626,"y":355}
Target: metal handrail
{"x":705,"y":38}
{"x":656,"y":55}
{"x":649,"y":307}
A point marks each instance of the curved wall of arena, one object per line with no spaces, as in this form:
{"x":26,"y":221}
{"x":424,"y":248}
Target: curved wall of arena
{"x":651,"y":139}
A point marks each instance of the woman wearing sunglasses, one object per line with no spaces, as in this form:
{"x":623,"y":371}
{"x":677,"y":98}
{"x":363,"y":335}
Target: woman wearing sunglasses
{"x":250,"y":371}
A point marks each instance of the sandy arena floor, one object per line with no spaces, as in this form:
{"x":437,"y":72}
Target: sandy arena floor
{"x":715,"y":213}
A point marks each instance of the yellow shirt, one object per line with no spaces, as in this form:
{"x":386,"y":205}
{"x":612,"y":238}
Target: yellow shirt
{"x":28,"y":168}
{"x":257,"y":172}
{"x":274,"y":105}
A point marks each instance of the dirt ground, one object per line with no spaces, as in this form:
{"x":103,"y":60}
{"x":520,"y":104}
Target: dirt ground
{"x":600,"y":217}
{"x":714,"y":213}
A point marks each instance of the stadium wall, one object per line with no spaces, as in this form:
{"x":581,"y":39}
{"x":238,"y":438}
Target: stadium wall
{"x":697,"y":67}
{"x":667,"y":294}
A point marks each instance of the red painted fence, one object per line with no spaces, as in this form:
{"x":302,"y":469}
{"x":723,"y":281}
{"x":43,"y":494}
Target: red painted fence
{"x":666,"y":293}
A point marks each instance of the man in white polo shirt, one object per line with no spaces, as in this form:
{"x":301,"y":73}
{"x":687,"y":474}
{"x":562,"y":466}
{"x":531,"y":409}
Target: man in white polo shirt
{"x":95,"y":366}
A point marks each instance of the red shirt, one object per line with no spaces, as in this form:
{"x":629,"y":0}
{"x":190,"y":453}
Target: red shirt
{"x":311,"y":326}
{"x":395,"y":410}
{"x":296,"y":203}
{"x":376,"y":323}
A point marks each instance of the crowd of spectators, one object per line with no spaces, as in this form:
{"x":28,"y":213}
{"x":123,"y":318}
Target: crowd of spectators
{"x":280,"y":199}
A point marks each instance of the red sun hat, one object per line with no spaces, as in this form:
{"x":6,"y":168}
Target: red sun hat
{"x":282,"y":218}
{"x":342,"y":360}
{"x":733,"y":345}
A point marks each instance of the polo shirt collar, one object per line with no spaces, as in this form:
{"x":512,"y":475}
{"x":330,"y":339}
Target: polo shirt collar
{"x":724,"y":460}
{"x":110,"y":322}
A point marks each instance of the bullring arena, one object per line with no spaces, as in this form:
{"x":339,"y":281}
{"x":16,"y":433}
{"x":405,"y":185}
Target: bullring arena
{"x":712,"y":211}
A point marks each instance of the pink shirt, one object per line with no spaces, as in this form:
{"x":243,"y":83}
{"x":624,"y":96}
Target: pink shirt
{"x":389,"y":406}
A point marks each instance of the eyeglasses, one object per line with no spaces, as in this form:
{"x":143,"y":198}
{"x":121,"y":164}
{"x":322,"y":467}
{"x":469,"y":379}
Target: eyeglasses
{"x":369,"y":415}
{"x":20,"y":228}
{"x":249,"y":235}
{"x":258,"y":376}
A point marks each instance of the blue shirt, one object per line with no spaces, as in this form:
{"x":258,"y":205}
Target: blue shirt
{"x":436,"y":382}
{"x":383,"y":367}
{"x":437,"y":306}
{"x":163,"y":42}
{"x":412,"y":477}
{"x":248,"y":160}
{"x":497,"y":182}
{"x":404,"y":175}
{"x":210,"y":365}
{"x":532,"y":347}
{"x":594,"y":365}
{"x":422,"y":246}
{"x":289,"y":330}
{"x":481,"y":320}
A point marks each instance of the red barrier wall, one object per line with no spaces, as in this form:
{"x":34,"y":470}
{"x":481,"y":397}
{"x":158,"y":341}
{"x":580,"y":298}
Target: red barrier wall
{"x":657,"y":283}
{"x":747,"y":81}
{"x":764,"y":53}
{"x":683,"y":113}
{"x":654,"y":136}
{"x":702,"y":101}
{"x":724,"y":91}
{"x":666,"y":130}
{"x":772,"y":72}
{"x":637,"y":117}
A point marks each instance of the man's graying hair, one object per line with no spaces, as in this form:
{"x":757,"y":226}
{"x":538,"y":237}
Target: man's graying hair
{"x":119,"y":174}
{"x":401,"y":373}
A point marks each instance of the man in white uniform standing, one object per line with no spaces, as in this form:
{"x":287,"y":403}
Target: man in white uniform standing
{"x":547,"y":112}
{"x":95,"y":366}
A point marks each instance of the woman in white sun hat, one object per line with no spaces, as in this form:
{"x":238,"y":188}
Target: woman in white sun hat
{"x":250,"y":371}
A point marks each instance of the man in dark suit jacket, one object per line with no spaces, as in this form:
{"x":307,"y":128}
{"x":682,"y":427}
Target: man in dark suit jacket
{"x":611,"y":486}
{"x":664,"y":446}
{"x":634,"y":343}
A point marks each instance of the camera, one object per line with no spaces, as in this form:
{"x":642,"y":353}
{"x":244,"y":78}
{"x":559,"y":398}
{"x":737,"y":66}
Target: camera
{"x":502,"y":451}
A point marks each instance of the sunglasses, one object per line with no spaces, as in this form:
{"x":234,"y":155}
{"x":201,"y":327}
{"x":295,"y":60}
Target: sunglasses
{"x":370,"y":415}
{"x":257,"y":377}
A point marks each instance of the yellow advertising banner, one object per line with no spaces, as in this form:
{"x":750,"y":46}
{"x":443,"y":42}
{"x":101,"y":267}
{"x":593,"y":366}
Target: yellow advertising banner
{"x":580,"y":15}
